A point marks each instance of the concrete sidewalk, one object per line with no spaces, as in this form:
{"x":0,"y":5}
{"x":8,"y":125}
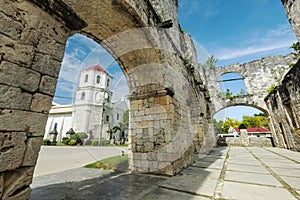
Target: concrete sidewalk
{"x":226,"y":173}
{"x":53,"y":159}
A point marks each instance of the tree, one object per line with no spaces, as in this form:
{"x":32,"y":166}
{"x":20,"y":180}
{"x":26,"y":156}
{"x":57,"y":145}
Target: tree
{"x":258,"y":120}
{"x":229,"y":122}
{"x":228,"y":94}
{"x":210,"y":63}
{"x":125,"y":120}
{"x":218,"y":126}
{"x":243,"y":92}
{"x":296,"y":47}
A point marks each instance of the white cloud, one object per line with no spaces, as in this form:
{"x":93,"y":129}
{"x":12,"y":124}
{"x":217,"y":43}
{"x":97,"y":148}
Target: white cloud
{"x":278,"y":38}
{"x":82,"y":52}
{"x":208,"y":8}
{"x":120,"y":86}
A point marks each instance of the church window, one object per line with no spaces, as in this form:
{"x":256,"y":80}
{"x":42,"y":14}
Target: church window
{"x":98,"y":79}
{"x":118,"y":116}
{"x":82,"y":95}
{"x":86,"y":78}
{"x":107,"y":82}
{"x":107,"y":118}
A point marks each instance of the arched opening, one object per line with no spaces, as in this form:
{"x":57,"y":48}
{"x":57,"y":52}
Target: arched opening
{"x":94,"y":107}
{"x":232,"y":85}
{"x":230,"y":121}
{"x":34,"y":46}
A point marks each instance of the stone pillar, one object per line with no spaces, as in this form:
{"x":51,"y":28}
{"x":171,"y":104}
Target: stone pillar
{"x":244,"y":137}
{"x":31,"y":50}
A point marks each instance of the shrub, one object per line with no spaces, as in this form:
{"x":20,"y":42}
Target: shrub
{"x":77,"y":137}
{"x":60,"y":144}
{"x":95,"y":142}
{"x":46,"y":142}
{"x":270,"y":89}
{"x":105,"y":142}
{"x":82,"y":135}
{"x":72,"y":143}
{"x":65,"y":140}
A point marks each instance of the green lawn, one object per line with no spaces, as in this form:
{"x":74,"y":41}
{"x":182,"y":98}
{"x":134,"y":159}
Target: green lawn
{"x":117,"y":163}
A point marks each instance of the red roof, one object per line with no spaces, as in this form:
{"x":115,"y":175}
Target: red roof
{"x":254,"y":130}
{"x":96,"y":68}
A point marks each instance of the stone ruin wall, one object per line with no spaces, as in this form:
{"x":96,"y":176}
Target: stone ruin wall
{"x":292,"y":8}
{"x":170,"y":117}
{"x":284,"y":106}
{"x":258,"y":77}
{"x":283,"y":103}
{"x":33,"y":35}
{"x":32,"y":44}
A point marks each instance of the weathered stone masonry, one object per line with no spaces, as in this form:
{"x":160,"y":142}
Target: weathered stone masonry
{"x":284,"y":106}
{"x":283,"y":103}
{"x":258,"y":77}
{"x":170,"y":114}
{"x":32,"y":44}
{"x":170,"y":118}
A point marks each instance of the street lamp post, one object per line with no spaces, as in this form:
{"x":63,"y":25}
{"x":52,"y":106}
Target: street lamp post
{"x":102,"y":118}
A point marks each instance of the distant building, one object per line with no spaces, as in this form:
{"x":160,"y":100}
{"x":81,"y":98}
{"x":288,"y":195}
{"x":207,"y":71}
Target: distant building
{"x":92,"y":112}
{"x":256,"y":132}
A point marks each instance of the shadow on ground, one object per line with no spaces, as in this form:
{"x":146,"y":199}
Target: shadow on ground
{"x":196,"y":182}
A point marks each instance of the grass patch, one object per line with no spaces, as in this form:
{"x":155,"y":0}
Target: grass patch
{"x":112,"y":163}
{"x":121,"y":145}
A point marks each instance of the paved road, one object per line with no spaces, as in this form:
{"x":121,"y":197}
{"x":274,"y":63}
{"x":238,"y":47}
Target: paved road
{"x":59,"y":158}
{"x":226,"y":173}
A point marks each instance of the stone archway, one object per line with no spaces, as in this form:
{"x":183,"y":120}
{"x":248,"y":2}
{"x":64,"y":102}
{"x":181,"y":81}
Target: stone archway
{"x":258,"y":76}
{"x":32,"y":40}
{"x":163,"y":135}
{"x":263,"y":110}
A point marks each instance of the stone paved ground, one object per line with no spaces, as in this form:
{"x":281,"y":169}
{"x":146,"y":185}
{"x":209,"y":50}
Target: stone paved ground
{"x":226,"y":173}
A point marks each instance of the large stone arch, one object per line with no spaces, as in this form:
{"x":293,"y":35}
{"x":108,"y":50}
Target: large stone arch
{"x":258,"y":76}
{"x":244,"y":104}
{"x":164,"y":128}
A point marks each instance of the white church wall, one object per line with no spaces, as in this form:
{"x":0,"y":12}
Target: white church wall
{"x":64,"y":123}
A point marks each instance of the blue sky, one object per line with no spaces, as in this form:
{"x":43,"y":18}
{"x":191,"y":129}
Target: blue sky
{"x":234,"y":31}
{"x":237,"y":31}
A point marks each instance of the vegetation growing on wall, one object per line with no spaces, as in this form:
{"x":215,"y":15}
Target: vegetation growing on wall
{"x":271,"y":88}
{"x":229,"y":95}
{"x":296,"y":47}
{"x":210,"y":63}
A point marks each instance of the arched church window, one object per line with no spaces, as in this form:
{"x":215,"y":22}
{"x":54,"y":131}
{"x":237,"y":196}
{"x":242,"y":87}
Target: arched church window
{"x":98,"y":79}
{"x":86,"y":78}
{"x":82,"y":96}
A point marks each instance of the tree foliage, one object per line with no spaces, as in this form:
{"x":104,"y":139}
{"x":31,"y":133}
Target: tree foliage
{"x":228,"y":94}
{"x":210,"y":63}
{"x":229,"y":122}
{"x":256,"y":121}
{"x":296,"y":47}
{"x":125,"y":120}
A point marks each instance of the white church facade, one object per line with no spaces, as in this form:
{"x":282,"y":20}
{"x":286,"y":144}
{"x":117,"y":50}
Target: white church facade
{"x":92,"y":112}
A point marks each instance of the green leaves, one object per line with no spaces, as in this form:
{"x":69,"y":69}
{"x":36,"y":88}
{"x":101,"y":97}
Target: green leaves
{"x":210,"y":63}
